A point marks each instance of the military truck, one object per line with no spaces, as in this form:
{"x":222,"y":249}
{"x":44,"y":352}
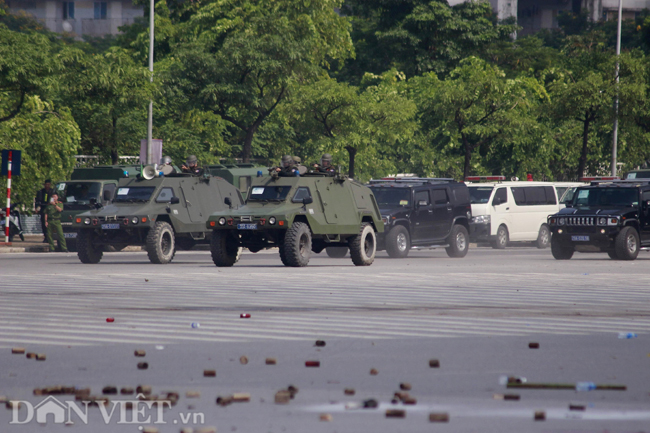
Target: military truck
{"x":87,"y":187}
{"x":240,"y":174}
{"x":161,"y":213}
{"x":299,"y":215}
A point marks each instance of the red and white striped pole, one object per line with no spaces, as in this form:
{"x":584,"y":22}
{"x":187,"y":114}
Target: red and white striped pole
{"x":8,"y":200}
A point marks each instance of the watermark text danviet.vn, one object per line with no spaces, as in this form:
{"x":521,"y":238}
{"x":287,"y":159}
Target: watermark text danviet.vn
{"x":137,"y":411}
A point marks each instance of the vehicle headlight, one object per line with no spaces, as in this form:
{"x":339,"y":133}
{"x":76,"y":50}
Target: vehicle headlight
{"x":561,"y":221}
{"x":481,"y":219}
{"x":602,"y":221}
{"x":222,"y":221}
{"x":135,"y":220}
{"x":385,"y":219}
{"x":272,"y":220}
{"x":87,"y":221}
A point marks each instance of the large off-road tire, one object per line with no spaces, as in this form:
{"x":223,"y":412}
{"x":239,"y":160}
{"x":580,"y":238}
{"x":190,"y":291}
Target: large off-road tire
{"x":86,"y":250}
{"x":544,"y":237}
{"x":161,"y":243}
{"x":297,"y":245}
{"x":336,"y":252}
{"x":458,"y":242}
{"x":627,"y":244}
{"x":559,"y":252}
{"x":224,"y":248}
{"x":363,"y":246}
{"x":185,"y":244}
{"x":398,"y":242}
{"x":502,"y":238}
{"x":283,"y":253}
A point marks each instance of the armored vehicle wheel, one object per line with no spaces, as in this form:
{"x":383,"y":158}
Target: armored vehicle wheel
{"x":398,"y":242}
{"x":559,"y":252}
{"x":363,"y":246}
{"x":224,"y":249}
{"x":336,"y":252}
{"x":160,"y":244}
{"x":185,"y":244}
{"x":86,"y":250}
{"x":297,"y":245}
{"x":458,"y":242}
{"x":626,"y":244}
{"x":544,"y":237}
{"x":502,"y":238}
{"x":283,"y":254}
{"x":612,"y":255}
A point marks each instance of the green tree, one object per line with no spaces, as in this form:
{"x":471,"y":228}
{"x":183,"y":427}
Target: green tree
{"x":108,"y":94}
{"x":474,"y":110}
{"x":240,"y":66}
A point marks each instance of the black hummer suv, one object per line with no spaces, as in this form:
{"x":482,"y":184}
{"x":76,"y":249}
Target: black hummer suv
{"x":423,"y":213}
{"x":611,"y":217}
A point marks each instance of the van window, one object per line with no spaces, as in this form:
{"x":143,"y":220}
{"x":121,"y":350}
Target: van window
{"x":502,"y":195}
{"x":534,"y":195}
{"x":422,"y":196}
{"x":440,"y":196}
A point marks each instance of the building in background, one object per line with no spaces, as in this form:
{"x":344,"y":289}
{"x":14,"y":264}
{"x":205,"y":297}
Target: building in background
{"x":535,"y":15}
{"x":81,"y":18}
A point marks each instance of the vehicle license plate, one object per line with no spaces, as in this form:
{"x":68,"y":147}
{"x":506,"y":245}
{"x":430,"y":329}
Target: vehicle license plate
{"x":70,"y":235}
{"x":579,"y":238}
{"x":110,"y":226}
{"x":247,"y":226}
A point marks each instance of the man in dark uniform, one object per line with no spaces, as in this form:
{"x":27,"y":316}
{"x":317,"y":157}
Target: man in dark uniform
{"x":325,"y":165}
{"x":191,"y":166}
{"x":287,"y":169}
{"x":53,"y":223}
{"x":42,"y":201}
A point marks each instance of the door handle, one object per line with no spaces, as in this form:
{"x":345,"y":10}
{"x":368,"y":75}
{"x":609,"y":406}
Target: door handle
{"x":507,"y":208}
{"x":430,"y":210}
{"x":449,"y":209}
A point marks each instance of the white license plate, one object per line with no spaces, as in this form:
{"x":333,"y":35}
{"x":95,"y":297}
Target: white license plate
{"x":110,"y":226}
{"x":70,"y":235}
{"x":247,"y":226}
{"x":580,"y":238}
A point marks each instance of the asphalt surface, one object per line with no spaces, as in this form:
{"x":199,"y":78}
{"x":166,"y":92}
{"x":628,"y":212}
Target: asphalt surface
{"x":476,"y":316}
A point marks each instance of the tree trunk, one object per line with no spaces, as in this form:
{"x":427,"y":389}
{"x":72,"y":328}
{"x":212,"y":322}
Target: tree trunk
{"x":115,"y":157}
{"x":582,"y":162}
{"x":353,"y":152}
{"x":247,"y":149}
{"x":468,"y":157}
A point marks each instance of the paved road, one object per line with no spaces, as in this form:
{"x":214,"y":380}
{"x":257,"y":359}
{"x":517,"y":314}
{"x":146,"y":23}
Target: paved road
{"x":476,"y":315}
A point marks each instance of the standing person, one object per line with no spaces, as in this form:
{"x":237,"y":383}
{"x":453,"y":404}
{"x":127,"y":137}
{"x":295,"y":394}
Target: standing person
{"x":42,"y":201}
{"x":53,"y":223}
{"x":287,"y":168}
{"x":325,"y":165}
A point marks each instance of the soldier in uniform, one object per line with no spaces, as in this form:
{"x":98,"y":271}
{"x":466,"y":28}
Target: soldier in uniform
{"x":53,"y":222}
{"x":166,"y":165}
{"x":287,"y":169}
{"x":42,"y":201}
{"x":191,"y":166}
{"x":298,"y":162}
{"x":325,"y":165}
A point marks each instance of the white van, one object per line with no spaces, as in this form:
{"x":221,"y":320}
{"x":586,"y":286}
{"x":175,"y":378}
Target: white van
{"x":565,"y":191}
{"x":504,"y":212}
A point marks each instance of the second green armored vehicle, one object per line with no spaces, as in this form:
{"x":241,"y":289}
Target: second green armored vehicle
{"x":299,"y":215}
{"x":160,"y":213}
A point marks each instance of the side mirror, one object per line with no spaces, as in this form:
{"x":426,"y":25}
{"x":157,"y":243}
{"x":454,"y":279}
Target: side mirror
{"x":175,"y":200}
{"x":307,"y":200}
{"x":227,"y":201}
{"x":108,"y":195}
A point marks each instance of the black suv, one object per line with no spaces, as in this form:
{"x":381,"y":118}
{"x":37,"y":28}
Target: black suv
{"x":611,"y":217}
{"x":423,"y":213}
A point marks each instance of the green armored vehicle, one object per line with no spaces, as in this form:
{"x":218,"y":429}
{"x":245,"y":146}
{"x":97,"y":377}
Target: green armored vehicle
{"x":158,"y":212}
{"x":86,"y":188}
{"x":299,"y":215}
